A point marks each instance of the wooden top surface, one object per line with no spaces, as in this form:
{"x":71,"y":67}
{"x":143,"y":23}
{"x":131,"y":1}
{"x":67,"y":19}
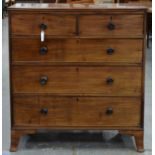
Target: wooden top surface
{"x":146,"y":4}
{"x":67,"y":6}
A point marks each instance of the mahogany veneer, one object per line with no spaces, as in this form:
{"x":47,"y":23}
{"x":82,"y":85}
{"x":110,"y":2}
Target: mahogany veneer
{"x":88,"y":72}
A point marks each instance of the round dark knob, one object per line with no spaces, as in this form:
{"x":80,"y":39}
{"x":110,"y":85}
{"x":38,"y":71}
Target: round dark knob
{"x":44,"y":111}
{"x":43,"y":50}
{"x":111,"y":26}
{"x":109,"y":111}
{"x":43,"y":26}
{"x":110,"y":51}
{"x":110,"y":80}
{"x":43,"y":80}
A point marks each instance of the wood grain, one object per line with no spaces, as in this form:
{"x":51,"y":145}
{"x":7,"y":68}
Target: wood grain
{"x":77,"y":50}
{"x":76,"y":85}
{"x":29,"y":24}
{"x":66,"y":25}
{"x":86,"y":80}
{"x":123,"y":25}
{"x":56,"y":7}
{"x":138,"y":136}
{"x":77,"y":111}
{"x":25,"y":110}
{"x":15,"y":137}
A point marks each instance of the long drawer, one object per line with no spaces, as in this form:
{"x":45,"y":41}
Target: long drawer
{"x":84,"y":25}
{"x":76,"y":111}
{"x":108,"y":81}
{"x":77,"y":50}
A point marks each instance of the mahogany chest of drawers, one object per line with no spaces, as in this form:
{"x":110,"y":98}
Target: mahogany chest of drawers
{"x":77,"y":66}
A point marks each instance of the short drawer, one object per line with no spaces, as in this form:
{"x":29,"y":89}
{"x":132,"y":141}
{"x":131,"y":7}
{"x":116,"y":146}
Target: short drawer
{"x":32,"y":24}
{"x":77,"y":111}
{"x":77,"y":50}
{"x":109,"y":81}
{"x":111,"y":25}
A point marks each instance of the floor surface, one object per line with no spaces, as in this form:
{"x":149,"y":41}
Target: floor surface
{"x":74,"y":143}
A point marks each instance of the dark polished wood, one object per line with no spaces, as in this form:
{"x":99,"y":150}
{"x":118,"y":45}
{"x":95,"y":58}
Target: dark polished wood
{"x":76,"y":111}
{"x":77,"y":50}
{"x":65,"y":25}
{"x":86,"y":80}
{"x":30,"y":24}
{"x":16,"y":135}
{"x":139,"y":138}
{"x":121,"y":23}
{"x":87,"y":73}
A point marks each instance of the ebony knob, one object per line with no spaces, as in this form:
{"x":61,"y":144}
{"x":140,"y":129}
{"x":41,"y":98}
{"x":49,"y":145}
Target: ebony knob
{"x":43,"y":26}
{"x":109,"y":111}
{"x":44,"y":111}
{"x":43,"y":50}
{"x":109,"y":80}
{"x":110,"y":51}
{"x":111,"y":26}
{"x":43,"y":80}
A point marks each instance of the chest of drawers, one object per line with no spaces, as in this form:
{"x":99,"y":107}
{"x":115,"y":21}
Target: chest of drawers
{"x":76,"y":67}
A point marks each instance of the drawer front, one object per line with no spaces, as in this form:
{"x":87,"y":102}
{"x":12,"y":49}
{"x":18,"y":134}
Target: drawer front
{"x":25,"y":110}
{"x":29,"y":24}
{"x":77,"y":50}
{"x":111,"y":25}
{"x":109,"y":81}
{"x":77,"y":111}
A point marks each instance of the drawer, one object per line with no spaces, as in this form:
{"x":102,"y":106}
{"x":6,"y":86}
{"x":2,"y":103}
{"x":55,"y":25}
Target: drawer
{"x":108,"y":81}
{"x":77,"y":111}
{"x":111,"y":25}
{"x":25,"y":110}
{"x":29,"y":24}
{"x":77,"y":50}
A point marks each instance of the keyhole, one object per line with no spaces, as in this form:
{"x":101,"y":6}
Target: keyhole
{"x":111,"y":18}
{"x":77,"y":69}
{"x":77,"y":41}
